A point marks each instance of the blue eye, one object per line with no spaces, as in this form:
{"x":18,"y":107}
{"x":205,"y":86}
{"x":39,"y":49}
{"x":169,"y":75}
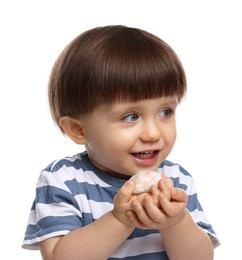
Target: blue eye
{"x":166,"y":113}
{"x":130,"y":118}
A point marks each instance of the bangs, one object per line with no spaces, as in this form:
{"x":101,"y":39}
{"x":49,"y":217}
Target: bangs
{"x":135,"y":68}
{"x":109,"y":64}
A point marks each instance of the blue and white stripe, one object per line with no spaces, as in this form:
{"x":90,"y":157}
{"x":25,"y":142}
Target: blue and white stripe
{"x":72,"y":193}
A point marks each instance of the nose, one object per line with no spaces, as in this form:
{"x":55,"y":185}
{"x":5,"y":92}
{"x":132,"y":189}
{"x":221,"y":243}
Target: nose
{"x":151,"y":131}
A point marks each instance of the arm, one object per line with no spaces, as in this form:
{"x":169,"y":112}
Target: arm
{"x":97,"y":240}
{"x":183,"y":239}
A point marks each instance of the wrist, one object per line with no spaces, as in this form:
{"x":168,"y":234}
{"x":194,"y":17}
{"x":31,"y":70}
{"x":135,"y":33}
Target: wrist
{"x":180,"y":222}
{"x":123,"y":220}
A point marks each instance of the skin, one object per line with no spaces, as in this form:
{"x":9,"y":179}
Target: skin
{"x":141,"y":135}
{"x":142,"y":127}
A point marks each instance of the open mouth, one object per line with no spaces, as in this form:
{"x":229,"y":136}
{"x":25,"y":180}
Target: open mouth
{"x":145,"y":155}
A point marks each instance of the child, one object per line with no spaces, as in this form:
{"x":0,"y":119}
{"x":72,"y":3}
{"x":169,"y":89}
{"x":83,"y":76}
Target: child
{"x":115,"y":90}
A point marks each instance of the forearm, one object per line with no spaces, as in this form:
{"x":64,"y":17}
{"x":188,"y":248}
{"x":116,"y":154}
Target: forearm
{"x":186,"y":240}
{"x":95,"y":241}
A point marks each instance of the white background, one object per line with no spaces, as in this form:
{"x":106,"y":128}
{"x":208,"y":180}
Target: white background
{"x":206,"y":36}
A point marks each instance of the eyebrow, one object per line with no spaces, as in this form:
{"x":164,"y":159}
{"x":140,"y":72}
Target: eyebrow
{"x":131,"y":107}
{"x":171,"y":103}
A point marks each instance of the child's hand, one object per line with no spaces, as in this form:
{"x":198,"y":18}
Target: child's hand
{"x":125,"y":197}
{"x":164,"y":186}
{"x":122,"y":203}
{"x":160,"y":214}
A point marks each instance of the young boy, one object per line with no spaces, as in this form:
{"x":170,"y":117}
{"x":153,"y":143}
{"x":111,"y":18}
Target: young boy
{"x":115,"y":90}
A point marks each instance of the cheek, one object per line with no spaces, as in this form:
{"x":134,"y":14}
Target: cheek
{"x":174,"y":135}
{"x":171,"y":135}
{"x":104,"y":142}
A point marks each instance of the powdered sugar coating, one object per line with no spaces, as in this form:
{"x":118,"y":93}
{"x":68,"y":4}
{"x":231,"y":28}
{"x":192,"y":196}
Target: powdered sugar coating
{"x":144,"y":180}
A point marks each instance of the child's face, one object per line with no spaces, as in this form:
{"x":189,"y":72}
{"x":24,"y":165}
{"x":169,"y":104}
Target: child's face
{"x":126,"y":137}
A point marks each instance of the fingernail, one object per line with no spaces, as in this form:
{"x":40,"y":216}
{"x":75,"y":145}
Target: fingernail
{"x":129,"y":184}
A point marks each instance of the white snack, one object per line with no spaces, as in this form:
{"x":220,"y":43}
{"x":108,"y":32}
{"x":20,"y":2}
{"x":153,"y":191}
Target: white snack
{"x":144,"y":180}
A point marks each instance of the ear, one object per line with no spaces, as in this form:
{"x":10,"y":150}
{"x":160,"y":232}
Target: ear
{"x":74,"y":129}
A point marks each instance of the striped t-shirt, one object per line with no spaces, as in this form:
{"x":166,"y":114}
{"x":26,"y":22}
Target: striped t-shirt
{"x":72,"y":193}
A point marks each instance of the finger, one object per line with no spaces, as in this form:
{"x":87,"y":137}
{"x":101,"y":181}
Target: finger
{"x":176,"y":205}
{"x":125,"y":193}
{"x":154,"y":212}
{"x":170,"y":208}
{"x":135,"y":220}
{"x":168,"y":181}
{"x":141,"y":212}
{"x":179,"y":195}
{"x":162,"y":185}
{"x":154,"y":191}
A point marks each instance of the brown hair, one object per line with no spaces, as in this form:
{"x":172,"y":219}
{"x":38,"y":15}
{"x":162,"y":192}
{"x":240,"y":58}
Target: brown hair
{"x":113,"y":63}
